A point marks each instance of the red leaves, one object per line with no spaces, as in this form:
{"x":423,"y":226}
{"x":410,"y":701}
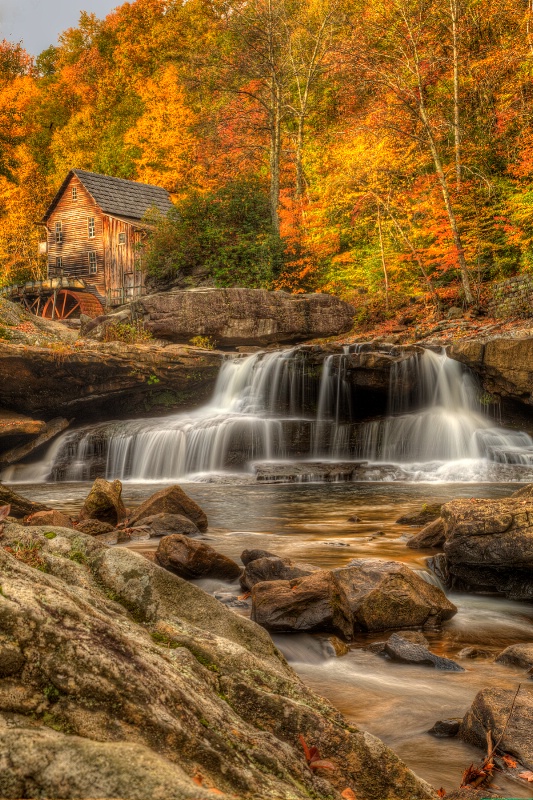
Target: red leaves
{"x":509,"y":761}
{"x":348,"y":794}
{"x":474,"y":776}
{"x":312,"y":756}
{"x":441,"y":792}
{"x":527,"y":776}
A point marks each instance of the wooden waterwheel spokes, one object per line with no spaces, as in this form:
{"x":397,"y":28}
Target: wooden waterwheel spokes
{"x":65,"y":303}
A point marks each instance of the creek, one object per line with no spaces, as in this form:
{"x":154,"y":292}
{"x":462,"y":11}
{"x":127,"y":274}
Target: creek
{"x":436,"y":443}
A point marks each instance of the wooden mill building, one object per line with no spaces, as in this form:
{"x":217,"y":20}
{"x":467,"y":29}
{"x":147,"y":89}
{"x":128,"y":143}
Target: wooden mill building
{"x":95,"y":232}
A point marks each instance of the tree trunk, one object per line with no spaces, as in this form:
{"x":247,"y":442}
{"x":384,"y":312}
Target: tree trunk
{"x":300,"y":180}
{"x":456,"y":107}
{"x":275,"y":155}
{"x":383,"y":262}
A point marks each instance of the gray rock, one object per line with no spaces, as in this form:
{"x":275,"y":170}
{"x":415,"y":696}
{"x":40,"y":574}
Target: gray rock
{"x":490,"y":712}
{"x":445,"y":728}
{"x":190,"y":559}
{"x":147,"y":681}
{"x":384,"y":595}
{"x":244,"y":317}
{"x":400,"y":649}
{"x":251,"y":555}
{"x":171,"y":500}
{"x":432,"y":535}
{"x":428,"y":513}
{"x":517,"y":655}
{"x":274,"y":569}
{"x":167,"y":524}
{"x":104,"y":503}
{"x":313,"y":603}
{"x":94,"y":527}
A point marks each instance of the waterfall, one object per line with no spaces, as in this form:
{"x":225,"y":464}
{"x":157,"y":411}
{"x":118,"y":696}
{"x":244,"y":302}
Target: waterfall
{"x":275,"y":407}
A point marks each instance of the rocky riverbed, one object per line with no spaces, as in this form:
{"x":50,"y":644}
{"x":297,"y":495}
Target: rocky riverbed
{"x":99,"y":574}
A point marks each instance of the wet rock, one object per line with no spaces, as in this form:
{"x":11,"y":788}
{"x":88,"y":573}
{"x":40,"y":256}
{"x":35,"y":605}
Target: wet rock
{"x":167,"y":524}
{"x":274,"y":569}
{"x":474,"y":652}
{"x":251,"y":555}
{"x":335,"y":647}
{"x":190,"y":559}
{"x":517,"y":655}
{"x":94,"y":527}
{"x":411,"y":636}
{"x":244,"y":317}
{"x":171,"y":500}
{"x":399,"y":649}
{"x":428,"y":513}
{"x":490,"y":712}
{"x":445,"y":728}
{"x":387,"y":594}
{"x":505,"y":366}
{"x":149,"y":681}
{"x":432,"y":535}
{"x":20,"y":506}
{"x":104,"y":503}
{"x":313,"y":603}
{"x":488,"y":545}
{"x":49,"y":518}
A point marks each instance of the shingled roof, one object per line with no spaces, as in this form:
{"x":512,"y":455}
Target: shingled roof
{"x":116,"y":196}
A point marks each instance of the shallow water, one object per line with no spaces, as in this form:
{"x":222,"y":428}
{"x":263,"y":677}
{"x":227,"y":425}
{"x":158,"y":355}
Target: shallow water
{"x":396,"y":702}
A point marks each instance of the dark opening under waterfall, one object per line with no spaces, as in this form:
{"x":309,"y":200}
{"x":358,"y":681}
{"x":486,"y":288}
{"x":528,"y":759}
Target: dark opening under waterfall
{"x":280,"y":407}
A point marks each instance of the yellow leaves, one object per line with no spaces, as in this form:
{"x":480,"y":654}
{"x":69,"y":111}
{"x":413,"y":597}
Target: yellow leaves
{"x":164,"y":135}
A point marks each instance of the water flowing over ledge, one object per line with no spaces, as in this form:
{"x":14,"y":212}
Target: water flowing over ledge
{"x":278,"y":407}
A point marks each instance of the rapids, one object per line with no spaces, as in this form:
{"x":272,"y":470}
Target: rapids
{"x":272,"y":407}
{"x":309,"y":522}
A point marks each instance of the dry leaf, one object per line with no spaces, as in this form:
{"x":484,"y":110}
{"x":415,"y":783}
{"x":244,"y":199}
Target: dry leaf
{"x":320,"y":763}
{"x":4,"y":512}
{"x":348,"y":794}
{"x":441,"y":792}
{"x":527,"y":776}
{"x":244,"y":596}
{"x":509,"y":761}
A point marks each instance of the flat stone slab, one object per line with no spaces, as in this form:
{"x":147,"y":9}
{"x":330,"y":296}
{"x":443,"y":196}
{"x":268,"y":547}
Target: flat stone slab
{"x":294,"y":471}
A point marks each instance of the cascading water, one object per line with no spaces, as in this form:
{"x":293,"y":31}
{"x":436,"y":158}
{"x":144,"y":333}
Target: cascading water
{"x":271,"y":406}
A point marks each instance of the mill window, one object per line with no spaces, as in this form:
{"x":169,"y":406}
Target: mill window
{"x":59,"y":262}
{"x":59,"y":232}
{"x":91,"y":227}
{"x":122,"y":238}
{"x":93,"y":266}
{"x":74,"y":192}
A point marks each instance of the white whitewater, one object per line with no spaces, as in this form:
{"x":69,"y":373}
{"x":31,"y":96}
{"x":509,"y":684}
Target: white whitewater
{"x":267,"y":407}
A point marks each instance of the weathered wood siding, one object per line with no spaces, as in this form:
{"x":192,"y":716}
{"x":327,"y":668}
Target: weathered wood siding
{"x":124,"y":276}
{"x":73,"y":214}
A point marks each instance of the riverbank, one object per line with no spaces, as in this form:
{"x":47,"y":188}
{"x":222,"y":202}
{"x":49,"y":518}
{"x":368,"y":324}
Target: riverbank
{"x":310,"y":523}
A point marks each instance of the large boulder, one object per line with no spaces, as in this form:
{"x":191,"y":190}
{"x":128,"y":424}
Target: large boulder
{"x":190,"y":559}
{"x":491,"y":711}
{"x":313,"y":603}
{"x":272,"y":568}
{"x":166,"y":524}
{"x":54,"y":517}
{"x":431,"y":535}
{"x":488,"y":545}
{"x":505,"y":366}
{"x":517,"y":655}
{"x":133,"y":683}
{"x":171,"y":500}
{"x":20,"y":506}
{"x":236,"y":317}
{"x":104,"y":503}
{"x":387,"y":594}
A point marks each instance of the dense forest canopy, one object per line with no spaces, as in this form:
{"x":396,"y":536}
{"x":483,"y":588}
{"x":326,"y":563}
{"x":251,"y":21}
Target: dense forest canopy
{"x":379,"y":147}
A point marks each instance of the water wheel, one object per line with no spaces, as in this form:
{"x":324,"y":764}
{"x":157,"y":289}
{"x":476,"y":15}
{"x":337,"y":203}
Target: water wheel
{"x":66,"y":303}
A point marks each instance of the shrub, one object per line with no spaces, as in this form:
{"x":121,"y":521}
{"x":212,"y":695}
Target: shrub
{"x":205,"y":342}
{"x":127,"y":332}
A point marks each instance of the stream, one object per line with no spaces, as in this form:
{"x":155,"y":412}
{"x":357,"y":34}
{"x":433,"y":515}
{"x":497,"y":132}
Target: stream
{"x":309,"y":522}
{"x":437,"y":443}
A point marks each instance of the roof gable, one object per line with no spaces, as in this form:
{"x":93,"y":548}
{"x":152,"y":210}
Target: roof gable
{"x":117,"y":196}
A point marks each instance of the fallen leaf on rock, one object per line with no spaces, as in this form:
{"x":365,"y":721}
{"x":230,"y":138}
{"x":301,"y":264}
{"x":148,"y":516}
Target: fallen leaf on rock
{"x":244,"y":596}
{"x":312,"y":756}
{"x":527,"y":776}
{"x":509,"y":761}
{"x":320,"y":763}
{"x":441,"y":792}
{"x":348,"y":794}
